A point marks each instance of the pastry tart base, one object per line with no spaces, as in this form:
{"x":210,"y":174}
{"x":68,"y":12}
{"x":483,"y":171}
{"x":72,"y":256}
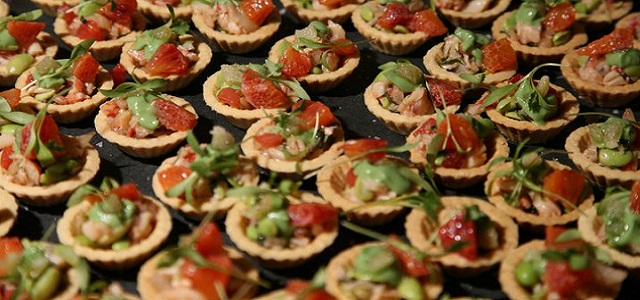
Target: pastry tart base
{"x":341,"y":263}
{"x":57,"y":193}
{"x":602,"y":176}
{"x":101,"y":50}
{"x":8,"y":212}
{"x":496,"y":145}
{"x":236,"y":223}
{"x":160,"y":14}
{"x":419,"y":232}
{"x":337,"y":15}
{"x":242,"y":43}
{"x":319,"y":82}
{"x":597,"y":94}
{"x":50,"y":7}
{"x":533,"y":55}
{"x":435,"y":55}
{"x":50,"y":49}
{"x":112,"y":259}
{"x":529,"y":221}
{"x":517,"y":131}
{"x":219,"y":206}
{"x":626,"y":22}
{"x":602,"y":22}
{"x":476,"y":19}
{"x":305,"y":166}
{"x":242,"y":118}
{"x":173,"y":82}
{"x":146,"y":147}
{"x":69,"y":113}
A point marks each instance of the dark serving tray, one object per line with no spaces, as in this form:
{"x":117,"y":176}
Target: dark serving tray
{"x":346,"y":102}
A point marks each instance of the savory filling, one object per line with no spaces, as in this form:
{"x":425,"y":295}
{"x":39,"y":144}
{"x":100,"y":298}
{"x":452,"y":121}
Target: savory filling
{"x":325,"y":5}
{"x":99,"y":19}
{"x":402,"y":17}
{"x":536,"y":23}
{"x":619,"y":214}
{"x":615,"y":68}
{"x":469,"y":231}
{"x":18,"y":45}
{"x":234,"y":17}
{"x":466,"y":6}
{"x":11,"y":116}
{"x":597,"y":7}
{"x":614,"y":144}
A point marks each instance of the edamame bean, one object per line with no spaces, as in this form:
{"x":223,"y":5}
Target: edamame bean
{"x":400,"y":29}
{"x":526,"y":274}
{"x":267,"y":228}
{"x":578,"y":262}
{"x":252,"y":233}
{"x":366,"y":13}
{"x":614,"y":158}
{"x":409,"y":288}
{"x":46,"y":285}
{"x":19,"y":63}
{"x":120,"y":245}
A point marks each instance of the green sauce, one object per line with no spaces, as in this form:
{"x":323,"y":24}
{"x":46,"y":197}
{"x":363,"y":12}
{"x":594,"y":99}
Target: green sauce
{"x":145,"y":112}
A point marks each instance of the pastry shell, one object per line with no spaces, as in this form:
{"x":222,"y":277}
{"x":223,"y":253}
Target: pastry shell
{"x":337,"y":15}
{"x":496,"y":145}
{"x":600,"y":21}
{"x":236,"y":223}
{"x":115,"y":259}
{"x":419,"y":233}
{"x":4,"y":9}
{"x":101,"y":50}
{"x":533,"y":55}
{"x":242,"y":43}
{"x":242,"y":118}
{"x":8,"y":212}
{"x":516,"y":130}
{"x":305,"y":166}
{"x":50,"y":49}
{"x":341,"y":263}
{"x":50,"y":7}
{"x":530,"y":221}
{"x":147,"y":147}
{"x":173,"y":82}
{"x":473,"y":20}
{"x":578,"y":141}
{"x":160,"y":14}
{"x":320,"y":82}
{"x":69,"y":113}
{"x":594,"y":93}
{"x":219,"y":206}
{"x":435,"y":55}
{"x":627,"y":21}
{"x":50,"y":195}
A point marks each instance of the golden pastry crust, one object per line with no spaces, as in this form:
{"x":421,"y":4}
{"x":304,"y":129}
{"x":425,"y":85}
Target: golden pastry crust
{"x":338,"y":15}
{"x":342,"y":262}
{"x":242,"y":118}
{"x":8,"y":212}
{"x":150,"y":286}
{"x":497,"y":146}
{"x":69,"y":113}
{"x":50,"y":7}
{"x":435,"y":55}
{"x":219,"y":206}
{"x":532,"y":55}
{"x":594,"y":93}
{"x":101,"y":50}
{"x":476,"y":19}
{"x":305,"y":166}
{"x":4,"y":9}
{"x":515,"y":130}
{"x":173,"y":82}
{"x":577,"y":142}
{"x":532,"y":221}
{"x":147,"y":147}
{"x":626,"y":22}
{"x":324,"y":81}
{"x":243,"y":43}
{"x":236,"y":224}
{"x":599,"y":21}
{"x":115,"y":259}
{"x":160,"y":14}
{"x":50,"y":49}
{"x":50,"y":195}
{"x":419,"y":233}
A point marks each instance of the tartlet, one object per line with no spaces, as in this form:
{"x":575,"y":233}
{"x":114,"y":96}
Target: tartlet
{"x":50,"y":7}
{"x":475,"y":18}
{"x":606,"y":13}
{"x":157,"y":12}
{"x":8,"y":212}
{"x":419,"y":232}
{"x":631,"y":20}
{"x":320,"y":12}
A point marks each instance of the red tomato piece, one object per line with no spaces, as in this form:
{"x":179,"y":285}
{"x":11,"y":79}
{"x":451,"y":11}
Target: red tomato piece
{"x":344,"y":47}
{"x":12,"y":96}
{"x":314,"y":111}
{"x":444,"y":92}
{"x":9,"y":246}
{"x":499,"y":56}
{"x":351,"y":178}
{"x":5,"y":157}
{"x":428,"y":22}
{"x":319,"y":295}
{"x":333,"y":3}
{"x":460,"y":229}
{"x":634,"y":198}
{"x":209,"y":242}
{"x":68,"y":15}
{"x":49,"y":136}
{"x":461,"y":133}
{"x":453,"y":159}
{"x":203,"y":279}
{"x":561,"y":279}
{"x":167,"y":60}
{"x":551,"y":239}
{"x":256,"y":10}
{"x":269,"y":140}
{"x":85,"y":68}
{"x":296,"y":286}
{"x":262,"y":92}
{"x":410,"y":264}
{"x":118,"y":74}
{"x":25,"y":32}
{"x":560,"y":17}
{"x":357,"y":147}
{"x":427,"y":127}
{"x":564,"y":185}
{"x":172,"y":116}
{"x":619,"y":39}
{"x":231,"y":97}
{"x":173,"y":175}
{"x":90,"y":30}
{"x":395,"y":13}
{"x":127,"y":191}
{"x":295,"y":64}
{"x":309,"y":214}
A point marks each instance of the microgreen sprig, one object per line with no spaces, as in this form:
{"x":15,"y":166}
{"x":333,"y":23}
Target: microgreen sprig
{"x":273,"y":72}
{"x":128,"y":89}
{"x":106,"y":186}
{"x":16,"y":117}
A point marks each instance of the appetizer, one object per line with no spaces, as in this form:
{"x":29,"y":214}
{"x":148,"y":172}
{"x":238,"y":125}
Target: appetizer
{"x":471,"y":13}
{"x":156,"y":10}
{"x":601,"y":13}
{"x":321,"y":10}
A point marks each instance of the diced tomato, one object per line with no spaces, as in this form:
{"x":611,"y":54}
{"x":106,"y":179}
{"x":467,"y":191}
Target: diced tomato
{"x":460,"y":229}
{"x":428,"y":22}
{"x":118,"y":74}
{"x":8,"y":246}
{"x":444,"y":92}
{"x":634,"y":198}
{"x":231,"y":97}
{"x":110,"y":109}
{"x":127,"y":191}
{"x":172,"y":116}
{"x":90,"y":30}
{"x":299,"y":286}
{"x":49,"y":136}
{"x":551,"y":240}
{"x":256,"y":10}
{"x":560,"y":17}
{"x":295,"y":64}
{"x":619,"y":39}
{"x":25,"y":32}
{"x":410,"y":264}
{"x":499,"y":56}
{"x":122,"y":14}
{"x":296,"y":286}
{"x":205,"y":280}
{"x":395,"y":13}
{"x":209,"y":242}
{"x":357,"y":147}
{"x":85,"y":68}
{"x":563,"y":186}
{"x":515,"y":78}
{"x":12,"y":96}
{"x":314,"y":111}
{"x":344,"y":47}
{"x":453,"y":159}
{"x":561,"y":279}
{"x":319,"y":295}
{"x":333,"y":3}
{"x":462,"y":134}
{"x":262,"y":92}
{"x":5,"y":157}
{"x":269,"y":140}
{"x":351,"y":178}
{"x":173,"y":175}
{"x":309,"y":214}
{"x":167,"y":60}
{"x":68,"y":15}
{"x":427,"y":127}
